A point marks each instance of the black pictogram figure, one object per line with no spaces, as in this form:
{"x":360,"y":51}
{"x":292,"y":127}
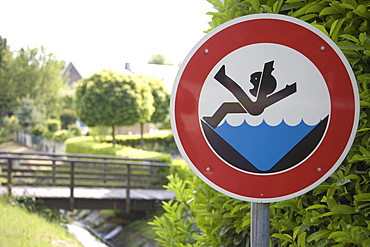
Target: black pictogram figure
{"x":264,"y":85}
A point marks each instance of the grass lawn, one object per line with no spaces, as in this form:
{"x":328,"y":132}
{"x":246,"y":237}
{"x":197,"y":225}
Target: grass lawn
{"x":19,"y":228}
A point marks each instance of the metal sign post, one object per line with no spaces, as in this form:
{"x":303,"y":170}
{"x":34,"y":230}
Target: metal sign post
{"x":260,"y":224}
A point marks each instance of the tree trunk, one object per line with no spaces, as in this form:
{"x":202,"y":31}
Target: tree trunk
{"x":142,"y":135}
{"x":114,"y":136}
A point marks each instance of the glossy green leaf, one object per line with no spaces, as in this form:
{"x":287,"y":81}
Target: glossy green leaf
{"x":285,"y":237}
{"x":362,"y":197}
{"x":317,"y":235}
{"x":329,"y":11}
{"x":343,"y":209}
{"x":316,"y":206}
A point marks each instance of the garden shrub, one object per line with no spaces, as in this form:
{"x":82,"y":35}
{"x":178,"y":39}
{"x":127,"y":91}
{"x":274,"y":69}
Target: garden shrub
{"x":29,"y":114}
{"x":74,"y":130}
{"x":337,"y":212}
{"x":160,"y":142}
{"x":199,"y":215}
{"x":38,"y":130}
{"x":53,"y":125}
{"x":67,"y":117}
{"x":12,"y":124}
{"x":61,"y":135}
{"x":8,"y":127}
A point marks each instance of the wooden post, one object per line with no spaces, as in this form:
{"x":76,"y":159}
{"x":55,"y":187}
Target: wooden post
{"x":128,"y":178}
{"x":152,"y":182}
{"x":72,"y":185}
{"x":54,"y":168}
{"x":105,"y":172}
{"x":9,"y":183}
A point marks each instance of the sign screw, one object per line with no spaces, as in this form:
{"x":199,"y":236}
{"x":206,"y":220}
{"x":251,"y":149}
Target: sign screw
{"x":322,"y":48}
{"x":319,"y":169}
{"x":208,"y":169}
{"x":206,"y":51}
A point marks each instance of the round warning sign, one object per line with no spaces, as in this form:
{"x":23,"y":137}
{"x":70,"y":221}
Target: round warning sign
{"x":264,"y":108}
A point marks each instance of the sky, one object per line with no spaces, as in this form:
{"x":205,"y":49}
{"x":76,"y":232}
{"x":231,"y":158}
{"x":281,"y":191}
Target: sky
{"x":97,"y":35}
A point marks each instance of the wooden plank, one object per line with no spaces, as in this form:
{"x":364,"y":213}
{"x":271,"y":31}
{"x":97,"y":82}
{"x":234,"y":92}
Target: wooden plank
{"x":85,"y":192}
{"x":113,"y":157}
{"x":86,"y":161}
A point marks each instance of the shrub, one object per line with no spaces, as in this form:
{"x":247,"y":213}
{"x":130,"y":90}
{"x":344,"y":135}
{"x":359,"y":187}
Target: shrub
{"x":160,"y":142}
{"x":61,"y":135}
{"x":337,"y":212}
{"x":74,"y":130}
{"x":30,"y":114}
{"x":53,"y":125}
{"x":38,"y":130}
{"x":12,"y":124}
{"x":67,"y":117}
{"x":87,"y":145}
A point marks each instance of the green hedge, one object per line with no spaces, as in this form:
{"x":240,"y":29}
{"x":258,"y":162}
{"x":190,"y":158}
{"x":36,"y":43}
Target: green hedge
{"x":161,"y":142}
{"x":337,"y":212}
{"x":327,"y":216}
{"x":86,"y":145}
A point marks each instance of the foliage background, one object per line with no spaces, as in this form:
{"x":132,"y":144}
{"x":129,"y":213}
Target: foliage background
{"x":110,"y":99}
{"x":30,"y":73}
{"x":336,"y":213}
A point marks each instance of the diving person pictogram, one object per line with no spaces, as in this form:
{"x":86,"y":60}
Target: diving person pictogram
{"x":244,"y":145}
{"x":264,"y":85}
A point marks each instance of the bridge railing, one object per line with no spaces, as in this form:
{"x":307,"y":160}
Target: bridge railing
{"x":79,"y":170}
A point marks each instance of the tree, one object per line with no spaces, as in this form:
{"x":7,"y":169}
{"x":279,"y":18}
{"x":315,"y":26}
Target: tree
{"x":158,"y":110}
{"x":30,"y":114}
{"x":67,"y":117}
{"x":8,"y":88}
{"x":4,"y":49}
{"x":110,"y":99}
{"x":158,"y":59}
{"x":146,"y":104}
{"x":161,"y":101}
{"x":31,"y":73}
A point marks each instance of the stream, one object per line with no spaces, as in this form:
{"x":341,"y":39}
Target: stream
{"x":86,"y":238}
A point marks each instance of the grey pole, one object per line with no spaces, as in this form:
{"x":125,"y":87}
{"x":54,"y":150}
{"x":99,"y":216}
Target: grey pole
{"x":260,"y":224}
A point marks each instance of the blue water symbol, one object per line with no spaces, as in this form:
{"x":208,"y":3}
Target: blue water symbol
{"x":263,"y":145}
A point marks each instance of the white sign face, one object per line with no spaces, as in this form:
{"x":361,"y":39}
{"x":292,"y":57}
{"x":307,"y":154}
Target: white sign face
{"x":264,"y":116}
{"x":282,"y":125}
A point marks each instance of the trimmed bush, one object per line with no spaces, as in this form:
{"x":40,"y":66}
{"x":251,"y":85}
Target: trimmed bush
{"x":61,"y":135}
{"x":38,"y":130}
{"x":53,"y":125}
{"x":74,"y":130}
{"x":160,"y":142}
{"x":67,"y":117}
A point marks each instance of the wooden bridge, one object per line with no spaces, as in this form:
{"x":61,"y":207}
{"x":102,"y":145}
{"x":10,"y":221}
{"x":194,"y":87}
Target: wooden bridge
{"x":78,"y":181}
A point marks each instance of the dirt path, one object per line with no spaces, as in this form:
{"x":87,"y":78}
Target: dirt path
{"x":14,"y":147}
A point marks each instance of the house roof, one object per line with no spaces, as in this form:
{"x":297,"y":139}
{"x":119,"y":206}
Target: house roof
{"x":72,"y":72}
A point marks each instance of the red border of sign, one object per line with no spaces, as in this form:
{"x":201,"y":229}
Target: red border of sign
{"x":254,"y":29}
